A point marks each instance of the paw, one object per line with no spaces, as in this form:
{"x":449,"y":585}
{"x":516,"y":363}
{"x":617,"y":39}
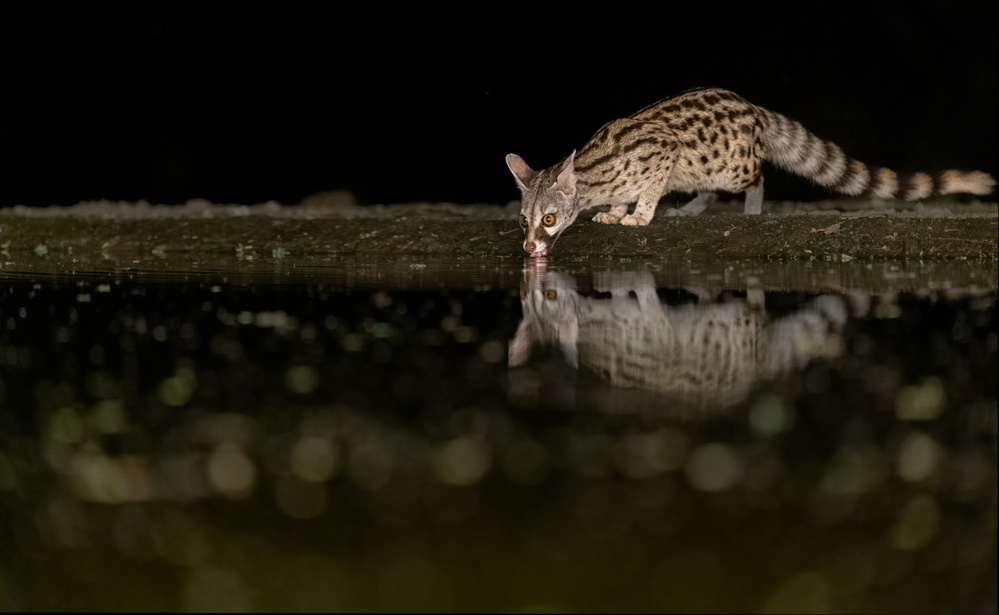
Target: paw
{"x":634,"y":220}
{"x":606,"y":218}
{"x":679,"y":212}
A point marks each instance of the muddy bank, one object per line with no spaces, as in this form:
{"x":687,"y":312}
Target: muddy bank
{"x":957,"y":241}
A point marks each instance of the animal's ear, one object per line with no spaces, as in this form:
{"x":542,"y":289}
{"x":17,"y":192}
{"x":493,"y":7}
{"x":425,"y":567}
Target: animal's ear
{"x":566,"y":180}
{"x":521,"y":172}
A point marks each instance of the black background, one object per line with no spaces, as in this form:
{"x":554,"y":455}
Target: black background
{"x":246,"y":105}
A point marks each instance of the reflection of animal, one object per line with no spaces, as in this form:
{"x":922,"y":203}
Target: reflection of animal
{"x":700,"y":141}
{"x":707,"y":356}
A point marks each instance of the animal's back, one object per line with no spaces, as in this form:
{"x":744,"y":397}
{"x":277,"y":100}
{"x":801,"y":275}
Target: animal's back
{"x":717,"y":138}
{"x":709,"y":117}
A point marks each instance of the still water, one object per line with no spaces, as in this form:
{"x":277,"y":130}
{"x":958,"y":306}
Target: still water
{"x":547,"y":439}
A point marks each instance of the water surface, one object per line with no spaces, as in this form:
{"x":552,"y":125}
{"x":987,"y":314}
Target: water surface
{"x":481,"y":435}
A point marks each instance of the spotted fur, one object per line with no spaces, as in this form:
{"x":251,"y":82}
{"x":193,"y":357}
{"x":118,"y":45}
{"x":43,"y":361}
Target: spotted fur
{"x":703,"y":356}
{"x":702,"y":141}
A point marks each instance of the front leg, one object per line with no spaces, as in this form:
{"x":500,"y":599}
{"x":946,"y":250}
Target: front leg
{"x":644,"y":210}
{"x":647,"y":201}
{"x":613,"y":216}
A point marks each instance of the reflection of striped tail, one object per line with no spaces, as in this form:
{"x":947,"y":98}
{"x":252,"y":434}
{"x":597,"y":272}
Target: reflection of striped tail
{"x":813,"y":331}
{"x":788,"y":145}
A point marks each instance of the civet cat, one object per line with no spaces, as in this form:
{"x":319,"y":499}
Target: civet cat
{"x":702,"y":357}
{"x":700,"y":141}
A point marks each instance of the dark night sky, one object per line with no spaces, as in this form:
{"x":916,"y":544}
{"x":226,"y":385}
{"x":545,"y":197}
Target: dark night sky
{"x":254,"y":105}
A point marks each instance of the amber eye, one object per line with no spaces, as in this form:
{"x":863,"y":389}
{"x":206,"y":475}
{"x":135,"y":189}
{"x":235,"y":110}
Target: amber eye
{"x":551,"y":295}
{"x":548,"y":220}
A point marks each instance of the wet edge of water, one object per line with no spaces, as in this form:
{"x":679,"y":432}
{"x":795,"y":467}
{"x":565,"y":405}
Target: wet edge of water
{"x":378,"y":271}
{"x":45,"y":242}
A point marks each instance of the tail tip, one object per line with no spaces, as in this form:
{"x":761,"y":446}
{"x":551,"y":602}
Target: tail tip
{"x":970,"y":182}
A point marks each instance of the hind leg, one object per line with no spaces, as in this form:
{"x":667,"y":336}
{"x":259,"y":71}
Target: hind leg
{"x":613,"y":216}
{"x":696,"y":205}
{"x":754,"y":199}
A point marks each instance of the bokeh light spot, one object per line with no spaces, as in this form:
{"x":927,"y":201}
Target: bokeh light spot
{"x":463,"y":461}
{"x":65,"y":426}
{"x":302,"y":379}
{"x":918,"y":456}
{"x":231,"y":472}
{"x":300,"y":499}
{"x":770,"y":416}
{"x":313,"y":459}
{"x":177,"y":390}
{"x":644,"y":455}
{"x":713,"y":467}
{"x":917,"y":525}
{"x":922,"y":402}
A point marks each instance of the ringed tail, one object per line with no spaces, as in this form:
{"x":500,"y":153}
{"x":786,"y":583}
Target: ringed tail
{"x":791,"y":147}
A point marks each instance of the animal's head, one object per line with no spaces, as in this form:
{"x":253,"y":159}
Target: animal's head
{"x":549,"y":301}
{"x":548,"y":202}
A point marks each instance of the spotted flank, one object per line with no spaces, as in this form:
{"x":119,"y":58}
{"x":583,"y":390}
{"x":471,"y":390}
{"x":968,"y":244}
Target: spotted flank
{"x":702,"y":142}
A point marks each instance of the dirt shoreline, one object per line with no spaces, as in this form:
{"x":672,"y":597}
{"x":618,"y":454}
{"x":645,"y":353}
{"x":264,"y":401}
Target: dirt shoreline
{"x":106,"y":236}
